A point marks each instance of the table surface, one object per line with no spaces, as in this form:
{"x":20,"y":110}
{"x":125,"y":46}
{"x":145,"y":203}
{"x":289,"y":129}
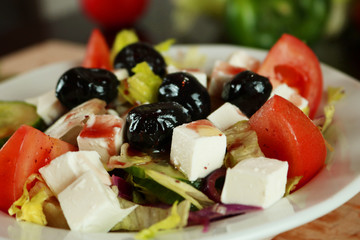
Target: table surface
{"x":342,"y":223}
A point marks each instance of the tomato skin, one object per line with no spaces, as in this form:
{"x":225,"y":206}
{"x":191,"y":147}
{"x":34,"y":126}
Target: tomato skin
{"x":97,"y":53}
{"x":114,"y":13}
{"x":286,"y":133}
{"x":290,"y":57}
{"x":27,"y":150}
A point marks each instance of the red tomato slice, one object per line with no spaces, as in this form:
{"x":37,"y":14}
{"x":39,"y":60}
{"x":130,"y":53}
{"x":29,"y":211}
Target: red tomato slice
{"x":293,"y":62}
{"x":97,"y":52}
{"x":286,"y":133}
{"x":24,"y":153}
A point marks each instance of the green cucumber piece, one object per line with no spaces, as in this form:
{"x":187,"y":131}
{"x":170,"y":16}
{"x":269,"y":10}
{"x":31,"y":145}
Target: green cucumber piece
{"x":13,"y":114}
{"x":163,"y":167}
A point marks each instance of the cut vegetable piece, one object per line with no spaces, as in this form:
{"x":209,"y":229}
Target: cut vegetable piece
{"x":142,"y":87}
{"x":291,"y":61}
{"x":25,"y":152}
{"x":122,"y":39}
{"x":196,"y":197}
{"x":286,"y":133}
{"x":242,"y":143}
{"x":97,"y":52}
{"x":14,"y":114}
{"x":145,"y":216}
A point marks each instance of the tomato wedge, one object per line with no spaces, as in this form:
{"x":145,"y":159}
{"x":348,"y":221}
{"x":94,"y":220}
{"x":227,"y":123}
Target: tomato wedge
{"x":291,"y":61}
{"x":286,"y":133}
{"x":27,"y":150}
{"x":97,"y":52}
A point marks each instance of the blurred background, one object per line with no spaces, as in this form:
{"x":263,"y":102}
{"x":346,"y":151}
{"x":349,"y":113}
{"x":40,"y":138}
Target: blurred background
{"x":330,"y":27}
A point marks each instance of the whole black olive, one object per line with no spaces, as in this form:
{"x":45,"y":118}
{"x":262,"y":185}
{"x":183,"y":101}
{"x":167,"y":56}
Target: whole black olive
{"x":78,"y":85}
{"x":184,"y":88}
{"x":248,"y":91}
{"x":149,"y":127}
{"x":139,"y":52}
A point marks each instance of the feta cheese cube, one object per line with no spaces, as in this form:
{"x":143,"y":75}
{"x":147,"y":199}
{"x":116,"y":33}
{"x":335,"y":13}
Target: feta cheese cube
{"x":121,"y":74}
{"x":255,"y":181}
{"x":222,"y":73}
{"x":48,"y":107}
{"x":63,"y":170}
{"x":197,"y":148}
{"x":283,"y":90}
{"x":91,"y":206}
{"x":242,"y":59}
{"x":226,"y":115}
{"x":103,"y":134}
{"x":199,"y":75}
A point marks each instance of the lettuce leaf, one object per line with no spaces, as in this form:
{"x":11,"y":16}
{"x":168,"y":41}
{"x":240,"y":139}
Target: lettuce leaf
{"x":191,"y":59}
{"x":242,"y":143}
{"x":122,"y":39}
{"x":173,"y":221}
{"x":124,"y":160}
{"x":188,"y":192}
{"x":29,"y":207}
{"x":145,"y":216}
{"x":291,"y":184}
{"x":165,"y":46}
{"x":142,"y":87}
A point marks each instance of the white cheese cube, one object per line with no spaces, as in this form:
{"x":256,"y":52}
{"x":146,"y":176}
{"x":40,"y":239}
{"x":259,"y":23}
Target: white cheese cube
{"x":283,"y":90}
{"x":255,"y":181}
{"x":63,"y":170}
{"x":48,"y":107}
{"x":222,"y":73}
{"x":197,"y":148}
{"x":199,"y":75}
{"x":242,"y":59}
{"x":91,"y":206}
{"x":121,"y":74}
{"x":226,"y":115}
{"x":103,"y":134}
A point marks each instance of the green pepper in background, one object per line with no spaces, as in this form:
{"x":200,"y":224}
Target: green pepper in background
{"x":259,"y":23}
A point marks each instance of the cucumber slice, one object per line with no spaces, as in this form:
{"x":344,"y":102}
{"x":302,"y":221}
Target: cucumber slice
{"x":13,"y":114}
{"x":139,"y":170}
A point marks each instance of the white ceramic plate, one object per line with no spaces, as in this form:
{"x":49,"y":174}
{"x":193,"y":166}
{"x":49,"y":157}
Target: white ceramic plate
{"x":332,"y":187}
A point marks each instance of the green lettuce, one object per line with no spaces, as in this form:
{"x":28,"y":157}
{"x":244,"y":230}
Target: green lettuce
{"x":174,"y":220}
{"x":144,"y":217}
{"x":142,"y":87}
{"x":242,"y":143}
{"x":122,"y":39}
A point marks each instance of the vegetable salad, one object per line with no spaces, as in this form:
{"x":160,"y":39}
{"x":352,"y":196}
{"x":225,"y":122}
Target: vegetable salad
{"x":136,"y":140}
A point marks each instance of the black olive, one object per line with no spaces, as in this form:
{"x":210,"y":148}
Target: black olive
{"x":135,"y":53}
{"x":149,"y":127}
{"x":78,"y":85}
{"x":184,"y":88}
{"x":248,"y":91}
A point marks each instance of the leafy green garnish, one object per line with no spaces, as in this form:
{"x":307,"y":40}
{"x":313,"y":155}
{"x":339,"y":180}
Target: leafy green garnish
{"x":122,"y":39}
{"x":142,"y":87}
{"x":165,"y":46}
{"x":174,"y":220}
{"x":334,"y":94}
{"x":145,"y":216}
{"x":242,"y":143}
{"x":291,"y":184}
{"x":188,"y":192}
{"x":30,"y":208}
{"x":191,"y":59}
